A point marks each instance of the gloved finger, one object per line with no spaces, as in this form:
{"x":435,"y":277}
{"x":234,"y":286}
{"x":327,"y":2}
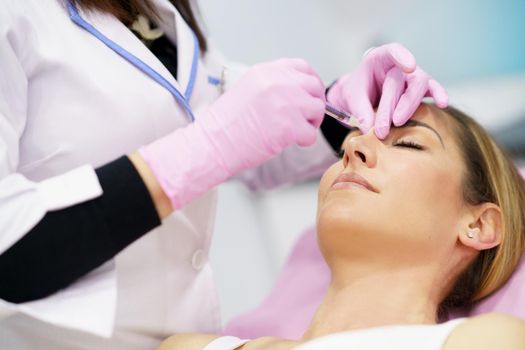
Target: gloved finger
{"x":355,"y":100}
{"x":393,"y":87}
{"x":360,"y":107}
{"x":305,"y":134}
{"x":401,"y":57}
{"x":311,"y":84}
{"x":393,"y":55}
{"x":334,"y":95}
{"x":417,"y":87}
{"x":344,"y":95}
{"x":301,"y":65}
{"x":313,"y":110}
{"x":438,"y":93}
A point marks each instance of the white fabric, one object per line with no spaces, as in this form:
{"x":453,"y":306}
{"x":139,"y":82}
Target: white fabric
{"x":69,"y":102}
{"x":226,"y":343}
{"x":410,"y":337}
{"x":24,"y":202}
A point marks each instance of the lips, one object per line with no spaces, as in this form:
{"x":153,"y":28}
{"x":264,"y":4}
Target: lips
{"x":352,"y":179}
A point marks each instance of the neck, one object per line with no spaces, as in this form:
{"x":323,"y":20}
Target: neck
{"x":375,"y":298}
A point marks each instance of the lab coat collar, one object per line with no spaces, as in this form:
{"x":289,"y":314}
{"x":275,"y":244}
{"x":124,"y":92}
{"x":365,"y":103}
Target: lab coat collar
{"x":173,"y":26}
{"x":181,"y":34}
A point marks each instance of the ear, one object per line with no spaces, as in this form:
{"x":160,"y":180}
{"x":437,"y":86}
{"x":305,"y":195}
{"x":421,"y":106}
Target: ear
{"x":484,"y":228}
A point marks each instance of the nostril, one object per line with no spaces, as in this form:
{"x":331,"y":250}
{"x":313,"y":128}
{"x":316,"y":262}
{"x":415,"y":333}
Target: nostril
{"x":361,"y":155}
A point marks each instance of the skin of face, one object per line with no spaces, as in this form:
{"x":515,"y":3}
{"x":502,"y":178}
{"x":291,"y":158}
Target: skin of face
{"x":413,"y":216}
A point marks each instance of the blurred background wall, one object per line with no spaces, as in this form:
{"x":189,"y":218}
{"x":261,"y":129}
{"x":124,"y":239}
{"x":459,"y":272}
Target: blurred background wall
{"x":475,"y":48}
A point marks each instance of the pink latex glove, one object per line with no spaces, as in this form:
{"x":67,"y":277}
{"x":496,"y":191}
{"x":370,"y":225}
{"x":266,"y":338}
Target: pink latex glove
{"x":272,"y":106}
{"x":389,"y":80}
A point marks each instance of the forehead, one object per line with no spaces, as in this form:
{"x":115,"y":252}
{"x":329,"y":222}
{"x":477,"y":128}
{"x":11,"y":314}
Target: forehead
{"x":436,"y":118}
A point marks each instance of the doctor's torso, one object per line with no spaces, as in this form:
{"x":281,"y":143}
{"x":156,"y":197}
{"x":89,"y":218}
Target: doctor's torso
{"x":81,"y":103}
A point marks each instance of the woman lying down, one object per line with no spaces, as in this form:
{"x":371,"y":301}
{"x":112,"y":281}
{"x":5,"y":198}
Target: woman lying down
{"x":429,"y":219}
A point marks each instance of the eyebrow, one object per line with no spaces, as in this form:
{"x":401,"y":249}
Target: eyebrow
{"x":413,"y":123}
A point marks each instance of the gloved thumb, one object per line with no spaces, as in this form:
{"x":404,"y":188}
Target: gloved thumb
{"x":401,"y":57}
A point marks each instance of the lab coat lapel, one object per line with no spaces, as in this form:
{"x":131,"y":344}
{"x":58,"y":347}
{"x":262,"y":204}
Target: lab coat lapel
{"x":181,"y":34}
{"x":120,"y":34}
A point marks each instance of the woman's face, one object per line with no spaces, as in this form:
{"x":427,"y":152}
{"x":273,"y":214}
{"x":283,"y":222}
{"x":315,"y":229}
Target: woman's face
{"x":411,"y":203}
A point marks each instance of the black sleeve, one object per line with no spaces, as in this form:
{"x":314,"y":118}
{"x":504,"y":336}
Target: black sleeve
{"x":66,"y":244}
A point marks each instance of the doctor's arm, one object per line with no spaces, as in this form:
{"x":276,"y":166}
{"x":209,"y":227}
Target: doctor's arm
{"x":57,"y":230}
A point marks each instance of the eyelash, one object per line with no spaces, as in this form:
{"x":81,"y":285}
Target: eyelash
{"x":409,"y":144}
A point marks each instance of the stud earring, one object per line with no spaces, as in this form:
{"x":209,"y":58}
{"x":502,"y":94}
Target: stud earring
{"x":472,"y":232}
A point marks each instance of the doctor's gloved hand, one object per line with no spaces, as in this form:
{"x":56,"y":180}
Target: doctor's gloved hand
{"x":387,"y":79}
{"x":272,"y":106}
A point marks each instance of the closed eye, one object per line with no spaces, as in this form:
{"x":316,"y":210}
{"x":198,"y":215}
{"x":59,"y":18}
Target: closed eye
{"x":409,"y":144}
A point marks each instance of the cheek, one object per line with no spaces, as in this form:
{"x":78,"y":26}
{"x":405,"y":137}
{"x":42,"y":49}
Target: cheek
{"x":427,"y":197}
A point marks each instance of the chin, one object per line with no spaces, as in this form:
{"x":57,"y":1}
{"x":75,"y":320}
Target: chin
{"x":339,"y":222}
{"x":340,"y":206}
{"x":349,"y":229}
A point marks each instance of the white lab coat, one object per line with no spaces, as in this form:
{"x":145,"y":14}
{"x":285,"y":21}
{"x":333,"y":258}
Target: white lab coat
{"x":69,"y":104}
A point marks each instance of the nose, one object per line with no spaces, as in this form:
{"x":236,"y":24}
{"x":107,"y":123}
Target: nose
{"x":361,"y":150}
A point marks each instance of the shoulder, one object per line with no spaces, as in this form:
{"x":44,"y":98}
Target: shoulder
{"x":187,"y":341}
{"x":490,"y":331}
{"x":16,"y":16}
{"x":30,"y":12}
{"x":12,"y":9}
{"x":29,"y":25}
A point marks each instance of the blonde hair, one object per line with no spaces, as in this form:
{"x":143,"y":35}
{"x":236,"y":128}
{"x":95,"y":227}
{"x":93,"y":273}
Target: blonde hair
{"x":490,"y":176}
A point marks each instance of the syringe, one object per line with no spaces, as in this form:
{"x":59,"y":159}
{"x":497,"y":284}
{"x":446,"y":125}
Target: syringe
{"x":342,"y":117}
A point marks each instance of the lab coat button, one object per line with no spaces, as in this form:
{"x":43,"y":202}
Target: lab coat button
{"x":199,"y":259}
